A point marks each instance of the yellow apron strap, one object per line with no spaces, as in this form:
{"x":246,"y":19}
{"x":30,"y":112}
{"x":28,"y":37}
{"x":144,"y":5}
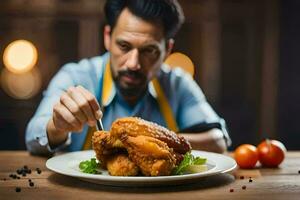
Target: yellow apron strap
{"x":88,"y":139}
{"x":165,"y":107}
{"x":106,"y":92}
{"x":107,"y":84}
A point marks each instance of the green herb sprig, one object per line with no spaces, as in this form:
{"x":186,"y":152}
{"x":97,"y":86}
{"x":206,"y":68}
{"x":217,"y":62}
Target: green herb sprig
{"x":189,"y":160}
{"x":90,"y":166}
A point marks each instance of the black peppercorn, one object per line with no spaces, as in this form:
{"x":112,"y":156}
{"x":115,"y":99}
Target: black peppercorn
{"x":39,"y":171}
{"x":18,"y":189}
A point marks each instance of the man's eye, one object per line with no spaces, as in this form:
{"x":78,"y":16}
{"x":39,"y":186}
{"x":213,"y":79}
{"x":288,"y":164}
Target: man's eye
{"x":124,"y":47}
{"x":151,"y":51}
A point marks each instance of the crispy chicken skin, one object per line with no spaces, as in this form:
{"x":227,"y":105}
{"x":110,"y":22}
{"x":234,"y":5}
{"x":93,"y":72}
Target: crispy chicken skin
{"x":153,"y":156}
{"x":148,"y":148}
{"x":133,"y":126}
{"x":105,"y":146}
{"x":121,"y":165}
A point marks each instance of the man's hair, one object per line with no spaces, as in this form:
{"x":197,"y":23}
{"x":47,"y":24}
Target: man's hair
{"x":166,"y":12}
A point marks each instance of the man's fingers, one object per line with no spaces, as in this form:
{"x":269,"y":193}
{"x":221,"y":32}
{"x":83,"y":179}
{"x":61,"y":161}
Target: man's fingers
{"x":62,"y":113}
{"x":59,"y":122}
{"x":71,"y":105}
{"x":92,"y":101}
{"x":83,"y":104}
{"x":62,"y":125}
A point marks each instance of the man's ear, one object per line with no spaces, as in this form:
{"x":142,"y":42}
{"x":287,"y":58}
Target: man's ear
{"x":169,"y":47}
{"x":107,"y":37}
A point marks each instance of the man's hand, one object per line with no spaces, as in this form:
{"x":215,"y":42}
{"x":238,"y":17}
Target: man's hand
{"x":76,"y":107}
{"x":212,"y":140}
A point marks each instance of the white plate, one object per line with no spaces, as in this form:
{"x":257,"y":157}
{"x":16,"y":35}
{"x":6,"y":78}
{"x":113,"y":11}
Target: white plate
{"x":68,"y":164}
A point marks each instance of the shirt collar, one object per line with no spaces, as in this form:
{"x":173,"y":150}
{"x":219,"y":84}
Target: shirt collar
{"x":111,"y":96}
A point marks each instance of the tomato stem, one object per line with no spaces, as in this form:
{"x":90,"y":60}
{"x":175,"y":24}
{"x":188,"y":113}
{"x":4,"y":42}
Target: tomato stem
{"x":268,"y":142}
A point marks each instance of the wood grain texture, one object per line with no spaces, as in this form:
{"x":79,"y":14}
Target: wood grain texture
{"x":278,"y":183}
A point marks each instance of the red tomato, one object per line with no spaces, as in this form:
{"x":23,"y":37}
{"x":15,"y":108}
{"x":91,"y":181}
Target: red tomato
{"x":271,"y":153}
{"x":246,"y":156}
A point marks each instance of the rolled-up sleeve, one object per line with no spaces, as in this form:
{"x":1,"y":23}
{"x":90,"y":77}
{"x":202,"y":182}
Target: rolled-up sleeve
{"x":36,"y":135}
{"x":194,"y":110}
{"x":86,"y":73}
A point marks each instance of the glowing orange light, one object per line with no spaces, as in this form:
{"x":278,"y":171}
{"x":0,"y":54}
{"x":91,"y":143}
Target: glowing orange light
{"x":21,"y":86}
{"x":20,"y":56}
{"x":180,"y":60}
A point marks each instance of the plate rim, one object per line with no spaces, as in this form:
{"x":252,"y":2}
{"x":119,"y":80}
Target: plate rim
{"x":139,"y":179}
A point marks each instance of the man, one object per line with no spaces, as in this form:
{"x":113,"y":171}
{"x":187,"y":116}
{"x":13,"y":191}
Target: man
{"x":129,"y":80}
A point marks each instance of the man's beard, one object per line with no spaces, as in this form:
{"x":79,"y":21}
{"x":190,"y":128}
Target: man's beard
{"x":131,"y":90}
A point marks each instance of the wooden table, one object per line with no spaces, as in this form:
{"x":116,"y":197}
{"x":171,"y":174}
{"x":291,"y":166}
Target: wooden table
{"x":281,"y":183}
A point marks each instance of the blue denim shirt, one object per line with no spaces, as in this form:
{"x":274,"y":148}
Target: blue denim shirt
{"x":186,"y":99}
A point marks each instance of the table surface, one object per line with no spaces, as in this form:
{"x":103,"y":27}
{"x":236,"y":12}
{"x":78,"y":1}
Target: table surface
{"x":276,"y":183}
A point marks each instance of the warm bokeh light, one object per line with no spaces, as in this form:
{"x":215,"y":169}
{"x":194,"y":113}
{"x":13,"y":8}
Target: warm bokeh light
{"x":180,"y":60}
{"x":21,"y":86}
{"x":20,"y":56}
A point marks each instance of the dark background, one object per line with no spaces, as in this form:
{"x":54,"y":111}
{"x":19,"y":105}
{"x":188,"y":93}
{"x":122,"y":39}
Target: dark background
{"x":246,"y":54}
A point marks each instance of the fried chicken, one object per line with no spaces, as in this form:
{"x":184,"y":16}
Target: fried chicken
{"x":151,"y":149}
{"x":133,"y":126}
{"x":105,"y":146}
{"x":121,"y":165}
{"x":153,"y":156}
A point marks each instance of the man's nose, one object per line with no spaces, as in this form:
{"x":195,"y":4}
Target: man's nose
{"x":133,"y":60}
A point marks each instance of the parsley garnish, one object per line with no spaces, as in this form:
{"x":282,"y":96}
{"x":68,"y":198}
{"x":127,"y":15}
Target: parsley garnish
{"x":188,"y":161}
{"x":90,"y":166}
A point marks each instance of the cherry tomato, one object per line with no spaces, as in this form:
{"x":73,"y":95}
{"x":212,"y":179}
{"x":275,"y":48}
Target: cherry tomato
{"x":246,"y":156}
{"x":271,"y":153}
